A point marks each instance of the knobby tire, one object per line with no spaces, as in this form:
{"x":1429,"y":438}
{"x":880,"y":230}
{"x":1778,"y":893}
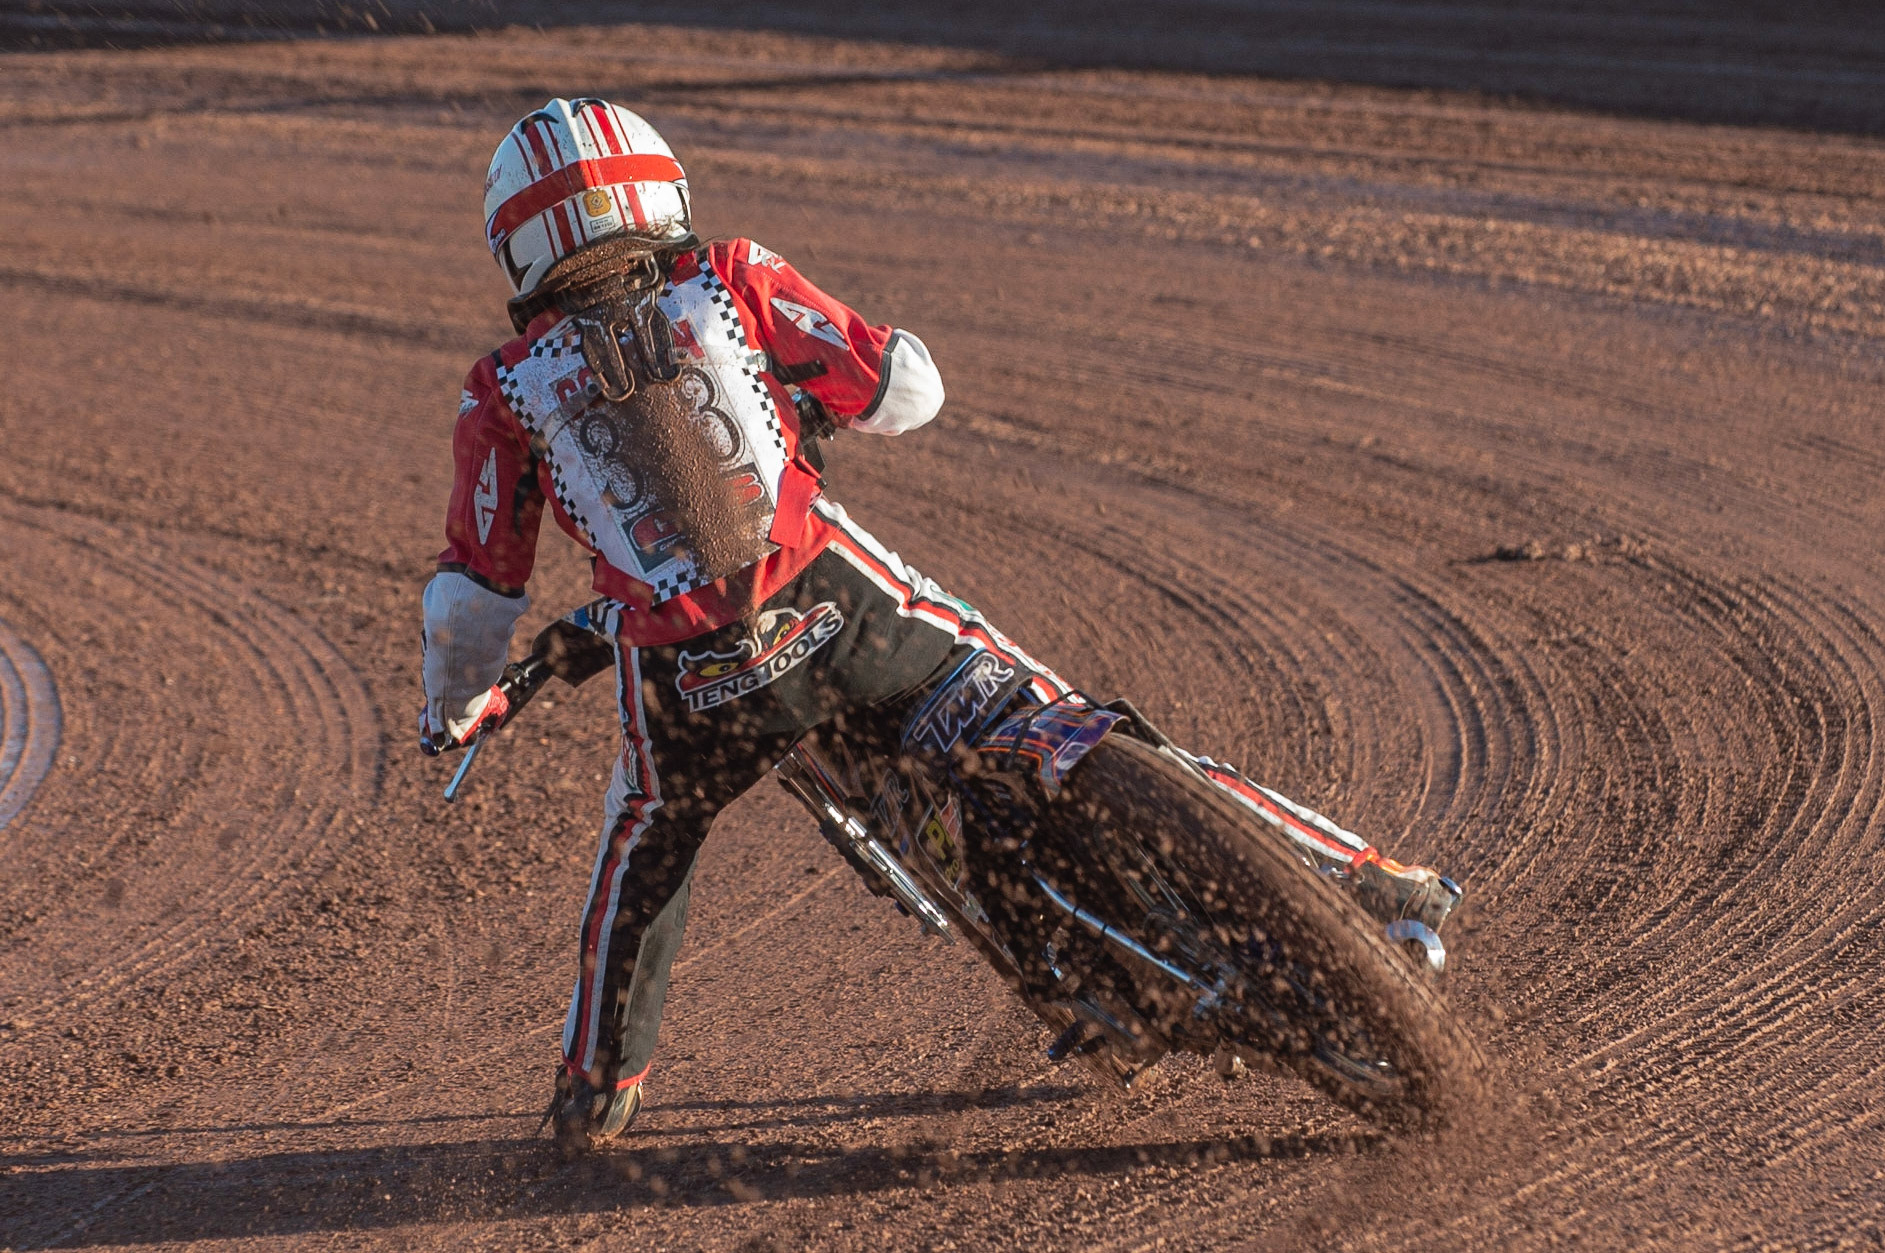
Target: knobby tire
{"x":1250,"y":887}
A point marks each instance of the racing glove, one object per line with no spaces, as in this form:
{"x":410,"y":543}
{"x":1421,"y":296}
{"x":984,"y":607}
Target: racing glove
{"x":482,"y":714}
{"x":467,"y":633}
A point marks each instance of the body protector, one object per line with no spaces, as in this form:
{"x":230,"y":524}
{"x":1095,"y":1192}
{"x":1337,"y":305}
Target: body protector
{"x":668,"y":464}
{"x":664,"y":446}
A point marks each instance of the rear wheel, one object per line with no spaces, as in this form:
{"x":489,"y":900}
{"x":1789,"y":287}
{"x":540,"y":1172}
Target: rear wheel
{"x":1305,"y":976}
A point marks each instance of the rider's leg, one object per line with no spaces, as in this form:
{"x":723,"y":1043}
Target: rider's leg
{"x":1383,"y":886}
{"x":701,"y":722}
{"x":638,"y":1015}
{"x":675,"y":771}
{"x":921,"y":600}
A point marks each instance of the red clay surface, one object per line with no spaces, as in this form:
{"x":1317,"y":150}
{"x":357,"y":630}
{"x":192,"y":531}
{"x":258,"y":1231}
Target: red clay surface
{"x":1503,"y":482}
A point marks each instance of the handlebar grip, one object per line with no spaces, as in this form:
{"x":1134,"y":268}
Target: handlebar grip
{"x":522,"y":680}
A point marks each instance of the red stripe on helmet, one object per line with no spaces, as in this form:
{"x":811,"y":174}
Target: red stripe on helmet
{"x":516,"y":139}
{"x":557,"y":230}
{"x":556,"y":144}
{"x":590,"y":133}
{"x":635,"y":210}
{"x":578,"y":176}
{"x":610,"y":139}
{"x":544,"y":164}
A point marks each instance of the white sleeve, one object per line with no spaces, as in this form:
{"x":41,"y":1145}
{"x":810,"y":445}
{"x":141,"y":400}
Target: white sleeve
{"x":911,"y":391}
{"x":467,"y":640}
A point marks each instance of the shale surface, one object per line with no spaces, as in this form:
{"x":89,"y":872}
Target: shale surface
{"x":1501,"y":480}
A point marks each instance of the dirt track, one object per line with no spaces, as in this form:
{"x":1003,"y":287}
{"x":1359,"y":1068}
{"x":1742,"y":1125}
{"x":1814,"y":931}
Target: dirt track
{"x":1503,"y":482}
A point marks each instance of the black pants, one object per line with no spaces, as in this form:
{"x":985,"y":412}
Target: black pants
{"x":704,"y":720}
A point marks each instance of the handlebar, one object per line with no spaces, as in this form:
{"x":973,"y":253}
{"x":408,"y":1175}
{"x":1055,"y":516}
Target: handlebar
{"x":522,"y":680}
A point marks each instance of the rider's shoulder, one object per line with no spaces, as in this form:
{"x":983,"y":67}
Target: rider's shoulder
{"x":743,"y":260}
{"x":481,"y":378}
{"x":513,"y":350}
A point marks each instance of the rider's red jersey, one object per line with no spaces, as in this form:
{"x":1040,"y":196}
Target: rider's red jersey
{"x":500,"y":486}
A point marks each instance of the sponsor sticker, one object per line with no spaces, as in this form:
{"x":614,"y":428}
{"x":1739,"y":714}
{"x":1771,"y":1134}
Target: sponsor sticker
{"x":942,"y":835}
{"x":1054,"y":738}
{"x":783,"y":639}
{"x":888,"y":809}
{"x":810,"y":321}
{"x":961,"y":702}
{"x":654,"y":536}
{"x":757,"y":255}
{"x":484,"y":499}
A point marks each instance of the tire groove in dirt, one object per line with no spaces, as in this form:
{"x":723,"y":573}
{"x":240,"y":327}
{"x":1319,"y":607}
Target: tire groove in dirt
{"x":1700,"y":1018}
{"x":1765,"y":992}
{"x":304,"y":686}
{"x":1464,"y":680}
{"x":1698,"y":608}
{"x":29,"y":723}
{"x":1830,"y":793}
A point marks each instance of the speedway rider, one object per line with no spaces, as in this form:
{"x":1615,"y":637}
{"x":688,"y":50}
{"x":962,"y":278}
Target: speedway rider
{"x":645,"y":404}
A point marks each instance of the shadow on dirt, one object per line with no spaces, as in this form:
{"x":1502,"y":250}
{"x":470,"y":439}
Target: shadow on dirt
{"x":365,"y":1189}
{"x":802,"y":1111}
{"x":1805,"y":63}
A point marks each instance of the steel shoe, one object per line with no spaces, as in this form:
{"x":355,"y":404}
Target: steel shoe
{"x":585,"y":1118}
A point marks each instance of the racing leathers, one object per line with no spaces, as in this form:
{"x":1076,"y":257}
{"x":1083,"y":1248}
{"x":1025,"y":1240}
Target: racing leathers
{"x":716,"y":676}
{"x":742,"y":319}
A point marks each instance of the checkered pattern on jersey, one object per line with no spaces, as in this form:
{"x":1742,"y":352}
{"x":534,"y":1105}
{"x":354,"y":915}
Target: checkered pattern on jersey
{"x":564,"y":340}
{"x":552,"y":346}
{"x":751,"y":359}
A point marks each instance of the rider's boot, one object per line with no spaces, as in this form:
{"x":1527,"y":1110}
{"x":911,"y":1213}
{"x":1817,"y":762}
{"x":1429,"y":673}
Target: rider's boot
{"x":1390,"y":891}
{"x":585,"y":1117}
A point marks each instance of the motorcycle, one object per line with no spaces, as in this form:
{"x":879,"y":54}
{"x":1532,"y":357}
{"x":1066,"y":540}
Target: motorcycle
{"x":1140,"y":900}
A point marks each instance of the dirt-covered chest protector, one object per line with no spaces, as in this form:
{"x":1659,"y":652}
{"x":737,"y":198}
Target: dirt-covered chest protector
{"x":662,"y":441}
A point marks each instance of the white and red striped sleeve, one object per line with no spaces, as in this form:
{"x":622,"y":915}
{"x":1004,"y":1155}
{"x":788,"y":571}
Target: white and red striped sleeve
{"x":872,"y":378}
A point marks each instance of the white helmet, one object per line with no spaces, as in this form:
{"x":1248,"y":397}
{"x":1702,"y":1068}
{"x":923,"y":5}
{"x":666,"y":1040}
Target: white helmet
{"x":574,"y":172}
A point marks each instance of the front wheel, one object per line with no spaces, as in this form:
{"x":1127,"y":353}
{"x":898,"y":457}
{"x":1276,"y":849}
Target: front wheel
{"x":1296,"y":970}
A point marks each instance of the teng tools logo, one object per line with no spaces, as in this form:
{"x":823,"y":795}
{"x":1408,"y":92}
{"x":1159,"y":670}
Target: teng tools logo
{"x":783,"y":639}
